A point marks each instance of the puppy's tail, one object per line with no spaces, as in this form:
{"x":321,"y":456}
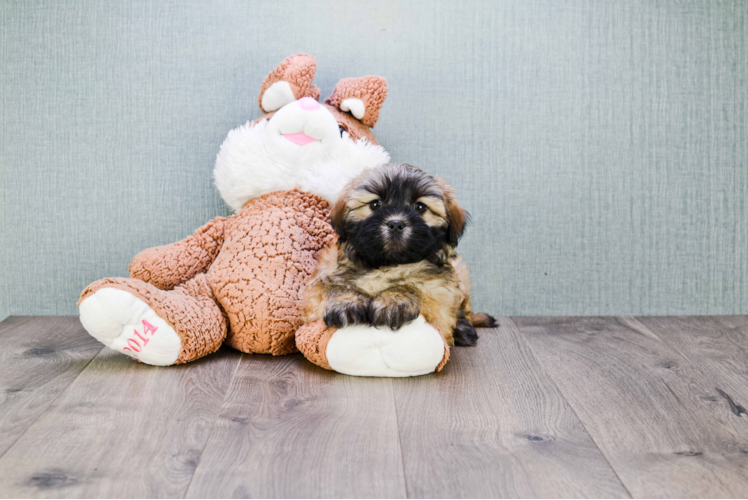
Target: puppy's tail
{"x":483,"y":320}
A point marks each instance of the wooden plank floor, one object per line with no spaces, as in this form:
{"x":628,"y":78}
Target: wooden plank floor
{"x":542,"y":407}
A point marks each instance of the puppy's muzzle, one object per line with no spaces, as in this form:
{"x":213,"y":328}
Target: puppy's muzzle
{"x":395,"y":229}
{"x":396,"y":226}
{"x":396,"y":233}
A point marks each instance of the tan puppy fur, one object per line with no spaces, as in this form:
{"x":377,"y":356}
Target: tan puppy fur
{"x":395,"y":257}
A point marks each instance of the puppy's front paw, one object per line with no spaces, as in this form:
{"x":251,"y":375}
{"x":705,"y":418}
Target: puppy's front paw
{"x":393,"y":309}
{"x":346,"y":311}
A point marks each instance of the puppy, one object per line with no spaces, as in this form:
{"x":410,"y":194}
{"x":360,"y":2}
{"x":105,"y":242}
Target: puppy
{"x":395,"y":257}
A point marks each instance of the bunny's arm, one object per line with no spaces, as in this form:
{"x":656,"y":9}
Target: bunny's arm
{"x":170,"y":265}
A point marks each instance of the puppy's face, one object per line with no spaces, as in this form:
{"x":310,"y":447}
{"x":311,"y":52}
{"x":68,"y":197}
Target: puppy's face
{"x":397,"y":214}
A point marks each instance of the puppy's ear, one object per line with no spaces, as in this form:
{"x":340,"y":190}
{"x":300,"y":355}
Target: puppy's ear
{"x":291,"y":80}
{"x":362,"y":97}
{"x":339,"y":213}
{"x":457,"y":218}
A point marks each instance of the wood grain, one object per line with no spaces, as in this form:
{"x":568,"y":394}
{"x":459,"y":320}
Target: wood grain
{"x":40,"y":357}
{"x":122,"y":429}
{"x":655,"y":414}
{"x":718,"y":346}
{"x":289,"y":429}
{"x":492,"y":424}
{"x":542,"y":407}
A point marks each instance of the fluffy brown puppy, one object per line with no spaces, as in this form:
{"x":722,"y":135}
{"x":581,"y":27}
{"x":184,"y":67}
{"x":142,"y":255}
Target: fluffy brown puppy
{"x":395,"y":257}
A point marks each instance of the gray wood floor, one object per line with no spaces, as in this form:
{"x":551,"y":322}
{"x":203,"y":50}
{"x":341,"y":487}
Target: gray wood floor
{"x":542,"y":407}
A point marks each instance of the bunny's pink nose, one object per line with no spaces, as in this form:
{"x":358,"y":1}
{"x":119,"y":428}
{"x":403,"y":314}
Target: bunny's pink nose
{"x":308,"y":104}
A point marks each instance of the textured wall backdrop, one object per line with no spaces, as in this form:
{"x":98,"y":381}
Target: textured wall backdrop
{"x":602,"y":147}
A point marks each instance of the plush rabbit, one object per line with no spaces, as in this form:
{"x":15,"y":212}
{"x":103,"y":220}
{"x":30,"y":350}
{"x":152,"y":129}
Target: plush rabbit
{"x":239,"y":279}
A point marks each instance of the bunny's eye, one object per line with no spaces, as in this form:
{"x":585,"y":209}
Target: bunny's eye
{"x":375,"y":205}
{"x":420,"y":207}
{"x":341,"y":130}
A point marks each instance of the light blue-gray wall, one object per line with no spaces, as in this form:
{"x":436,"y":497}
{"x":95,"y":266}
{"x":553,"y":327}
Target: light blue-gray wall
{"x":601,"y":146}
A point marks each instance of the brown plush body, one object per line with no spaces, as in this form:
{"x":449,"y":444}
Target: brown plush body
{"x":395,"y":257}
{"x":237,"y":279}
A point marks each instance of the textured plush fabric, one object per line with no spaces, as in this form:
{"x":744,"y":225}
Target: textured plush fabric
{"x":372,"y":90}
{"x":270,"y":250}
{"x":445,"y":358}
{"x":312,"y":339}
{"x":600,"y":146}
{"x":253,"y":267}
{"x":299,"y":71}
{"x":169,"y":265}
{"x":190,"y":309}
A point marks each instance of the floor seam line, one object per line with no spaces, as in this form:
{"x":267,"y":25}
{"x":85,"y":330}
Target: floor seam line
{"x":212,"y":428}
{"x":399,"y":439}
{"x":44,"y":413}
{"x":571,"y":407}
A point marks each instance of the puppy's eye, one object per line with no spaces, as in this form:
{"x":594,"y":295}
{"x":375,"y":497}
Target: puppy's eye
{"x":375,"y":205}
{"x":341,"y":130}
{"x":420,"y":207}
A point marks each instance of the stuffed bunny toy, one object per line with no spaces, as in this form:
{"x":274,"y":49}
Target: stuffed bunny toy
{"x":239,"y":279}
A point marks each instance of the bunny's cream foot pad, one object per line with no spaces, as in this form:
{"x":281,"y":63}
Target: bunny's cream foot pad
{"x":125,"y":323}
{"x":415,"y":349}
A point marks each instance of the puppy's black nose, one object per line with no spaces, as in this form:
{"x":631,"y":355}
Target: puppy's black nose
{"x":396,"y":225}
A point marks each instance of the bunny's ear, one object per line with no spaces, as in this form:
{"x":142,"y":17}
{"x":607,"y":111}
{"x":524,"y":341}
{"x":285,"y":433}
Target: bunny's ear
{"x":291,"y":80}
{"x":362,"y":97}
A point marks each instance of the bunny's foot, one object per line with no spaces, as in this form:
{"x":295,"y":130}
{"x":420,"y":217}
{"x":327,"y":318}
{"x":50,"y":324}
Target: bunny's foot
{"x":417,"y":348}
{"x":123,"y":322}
{"x":157,"y":327}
